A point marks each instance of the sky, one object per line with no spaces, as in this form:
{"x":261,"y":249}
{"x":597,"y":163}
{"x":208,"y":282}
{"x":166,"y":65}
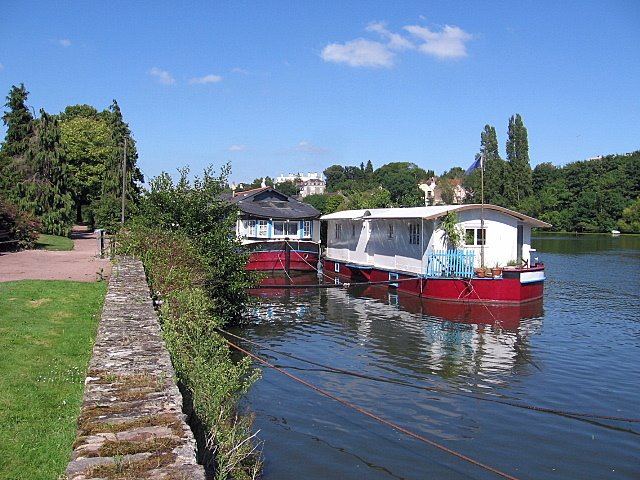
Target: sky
{"x":274,"y":87}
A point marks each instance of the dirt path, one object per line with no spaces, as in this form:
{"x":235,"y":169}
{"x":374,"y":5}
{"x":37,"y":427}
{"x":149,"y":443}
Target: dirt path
{"x":79,"y":264}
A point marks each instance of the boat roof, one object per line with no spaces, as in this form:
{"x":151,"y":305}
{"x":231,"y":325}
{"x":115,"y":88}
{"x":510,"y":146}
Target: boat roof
{"x":268,"y":202}
{"x":426,"y":213}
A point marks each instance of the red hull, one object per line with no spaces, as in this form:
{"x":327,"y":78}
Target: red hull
{"x":276,"y":260}
{"x":515,"y":286}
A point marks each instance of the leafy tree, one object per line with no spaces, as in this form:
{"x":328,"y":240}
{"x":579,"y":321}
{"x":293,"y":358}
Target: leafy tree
{"x":630,"y":221}
{"x":518,"y":174}
{"x":88,"y":144}
{"x":108,"y":211}
{"x":288,"y":188}
{"x":374,"y":198}
{"x":196,"y":209}
{"x":401,"y":179}
{"x":257,"y":182}
{"x":334,"y":176}
{"x":454,"y":172}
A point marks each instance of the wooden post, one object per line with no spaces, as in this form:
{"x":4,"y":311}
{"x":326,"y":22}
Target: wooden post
{"x":287,"y":255}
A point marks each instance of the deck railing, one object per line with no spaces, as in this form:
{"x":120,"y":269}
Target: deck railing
{"x":450,"y":263}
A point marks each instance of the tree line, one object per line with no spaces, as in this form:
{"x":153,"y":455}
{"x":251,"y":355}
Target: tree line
{"x":595,"y":195}
{"x":56,"y":170}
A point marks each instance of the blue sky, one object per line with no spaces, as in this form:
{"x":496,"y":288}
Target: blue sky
{"x":294,"y":86}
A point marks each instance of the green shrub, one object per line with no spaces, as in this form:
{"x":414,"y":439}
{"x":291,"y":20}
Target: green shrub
{"x":21,"y":226}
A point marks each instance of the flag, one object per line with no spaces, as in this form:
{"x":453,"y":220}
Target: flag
{"x":477,"y":163}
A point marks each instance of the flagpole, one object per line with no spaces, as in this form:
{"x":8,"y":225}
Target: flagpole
{"x":482,"y":210}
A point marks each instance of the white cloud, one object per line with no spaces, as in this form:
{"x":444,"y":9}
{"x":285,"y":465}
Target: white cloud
{"x":237,"y":148}
{"x":163,"y":76}
{"x":396,"y":41}
{"x":64,"y":42}
{"x":308,"y":147}
{"x":359,"y":53}
{"x":449,"y":43}
{"x":211,"y":78}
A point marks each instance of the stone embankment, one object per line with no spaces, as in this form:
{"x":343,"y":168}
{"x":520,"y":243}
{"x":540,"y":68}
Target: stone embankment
{"x":131,"y":424}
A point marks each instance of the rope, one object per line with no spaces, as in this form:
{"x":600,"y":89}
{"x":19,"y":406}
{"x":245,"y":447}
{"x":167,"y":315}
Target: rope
{"x":434,"y":389}
{"x":374,"y":416}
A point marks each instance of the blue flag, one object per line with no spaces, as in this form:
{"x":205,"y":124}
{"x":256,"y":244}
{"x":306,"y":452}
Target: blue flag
{"x":477,"y":163}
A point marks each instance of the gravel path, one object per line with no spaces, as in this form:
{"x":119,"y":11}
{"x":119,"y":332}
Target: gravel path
{"x":80,"y":264}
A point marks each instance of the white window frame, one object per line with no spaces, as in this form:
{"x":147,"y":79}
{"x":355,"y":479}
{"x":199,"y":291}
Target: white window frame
{"x":287,"y":229}
{"x":263,"y":229}
{"x":338,"y":232}
{"x":306,"y":229}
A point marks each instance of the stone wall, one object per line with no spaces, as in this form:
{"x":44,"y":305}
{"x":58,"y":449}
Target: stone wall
{"x":131,"y":424}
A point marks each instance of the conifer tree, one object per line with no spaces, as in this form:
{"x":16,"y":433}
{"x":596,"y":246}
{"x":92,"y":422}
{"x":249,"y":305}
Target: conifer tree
{"x":19,"y":123}
{"x":518,"y":174}
{"x":44,"y":190}
{"x":494,"y":167}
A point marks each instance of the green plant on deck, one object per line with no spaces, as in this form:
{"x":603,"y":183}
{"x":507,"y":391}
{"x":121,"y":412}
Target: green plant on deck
{"x":453,"y":233}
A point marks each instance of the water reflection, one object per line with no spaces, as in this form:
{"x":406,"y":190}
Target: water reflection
{"x":412,"y":335}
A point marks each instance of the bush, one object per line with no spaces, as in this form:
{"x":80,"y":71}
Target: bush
{"x":21,"y":226}
{"x":177,"y":275}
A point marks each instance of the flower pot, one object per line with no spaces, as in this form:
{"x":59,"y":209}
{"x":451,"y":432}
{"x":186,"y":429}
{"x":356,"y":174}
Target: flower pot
{"x":480,"y":272}
{"x":497,"y":272}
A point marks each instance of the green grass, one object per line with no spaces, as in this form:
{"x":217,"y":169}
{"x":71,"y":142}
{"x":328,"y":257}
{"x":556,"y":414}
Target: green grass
{"x":54,"y":242}
{"x":47,"y":330}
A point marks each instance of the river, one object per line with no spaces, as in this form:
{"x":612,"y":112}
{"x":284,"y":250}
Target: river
{"x":461,"y":377}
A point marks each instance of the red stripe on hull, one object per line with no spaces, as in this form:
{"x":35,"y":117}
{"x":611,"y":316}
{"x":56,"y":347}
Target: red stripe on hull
{"x":498,"y":290}
{"x":276,"y":260}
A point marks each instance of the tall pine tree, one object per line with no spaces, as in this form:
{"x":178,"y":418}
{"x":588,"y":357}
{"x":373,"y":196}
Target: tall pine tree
{"x":494,"y":166}
{"x":44,"y":189}
{"x":20,"y":124}
{"x":518,"y":175}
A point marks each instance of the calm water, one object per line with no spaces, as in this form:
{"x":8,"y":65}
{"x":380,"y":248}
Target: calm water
{"x":577,"y":351}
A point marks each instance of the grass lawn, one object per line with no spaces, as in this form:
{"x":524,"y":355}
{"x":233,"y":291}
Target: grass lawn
{"x":47,"y":330}
{"x":54,"y":242}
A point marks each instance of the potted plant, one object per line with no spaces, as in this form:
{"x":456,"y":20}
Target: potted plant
{"x":497,"y":270}
{"x":480,"y":272}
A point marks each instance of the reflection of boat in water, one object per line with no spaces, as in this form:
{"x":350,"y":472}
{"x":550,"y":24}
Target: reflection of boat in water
{"x":507,"y":315}
{"x":280,"y":284}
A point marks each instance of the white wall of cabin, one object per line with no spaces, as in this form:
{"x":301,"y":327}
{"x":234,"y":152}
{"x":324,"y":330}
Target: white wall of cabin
{"x":371,"y":245}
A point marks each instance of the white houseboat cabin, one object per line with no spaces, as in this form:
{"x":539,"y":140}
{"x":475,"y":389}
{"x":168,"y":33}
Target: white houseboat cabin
{"x":279,"y":232}
{"x":409,"y":244}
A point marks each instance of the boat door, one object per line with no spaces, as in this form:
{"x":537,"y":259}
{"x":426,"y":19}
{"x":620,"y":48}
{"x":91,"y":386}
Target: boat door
{"x":520,"y":243}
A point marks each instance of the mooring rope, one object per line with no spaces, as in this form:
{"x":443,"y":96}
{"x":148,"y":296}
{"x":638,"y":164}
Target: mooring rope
{"x":434,"y":389}
{"x":373,"y":415}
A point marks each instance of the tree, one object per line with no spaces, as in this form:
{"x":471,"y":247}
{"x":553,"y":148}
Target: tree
{"x":88,"y":145}
{"x":374,"y":198}
{"x":20,"y":124}
{"x":288,"y":188}
{"x":518,"y":174}
{"x":494,"y":167}
{"x":44,"y":192}
{"x":108,"y":211}
{"x":401,"y":179}
{"x":630,"y":221}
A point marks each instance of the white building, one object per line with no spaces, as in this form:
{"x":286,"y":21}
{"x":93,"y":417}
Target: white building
{"x":298,"y":177}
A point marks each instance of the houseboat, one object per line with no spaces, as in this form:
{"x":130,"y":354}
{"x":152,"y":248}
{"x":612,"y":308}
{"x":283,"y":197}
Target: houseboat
{"x":410,"y":248}
{"x":278,"y":231}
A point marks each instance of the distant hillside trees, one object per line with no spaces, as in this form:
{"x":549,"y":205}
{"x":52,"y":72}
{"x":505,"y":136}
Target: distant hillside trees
{"x":68,"y":167}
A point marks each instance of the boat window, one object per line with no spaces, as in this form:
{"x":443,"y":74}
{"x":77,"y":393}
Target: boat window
{"x":338,"y":231}
{"x":262,"y":228}
{"x":414,"y":234}
{"x":353,"y":230}
{"x":475,"y":236}
{"x":306,"y":232}
{"x":390,"y":230}
{"x":285,"y":229}
{"x":250,"y":228}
